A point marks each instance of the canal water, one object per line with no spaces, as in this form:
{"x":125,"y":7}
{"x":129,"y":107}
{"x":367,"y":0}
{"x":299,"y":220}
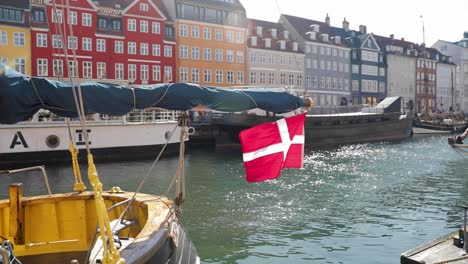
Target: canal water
{"x":363,"y":203}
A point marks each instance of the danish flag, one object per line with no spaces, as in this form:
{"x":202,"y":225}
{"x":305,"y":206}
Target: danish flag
{"x":270,"y":147}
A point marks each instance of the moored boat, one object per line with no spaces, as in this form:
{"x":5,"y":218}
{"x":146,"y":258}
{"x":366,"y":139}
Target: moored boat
{"x":45,"y":138}
{"x":384,"y":122}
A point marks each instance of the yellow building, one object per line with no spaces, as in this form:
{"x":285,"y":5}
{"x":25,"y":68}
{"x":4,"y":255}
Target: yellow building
{"x":211,"y":42}
{"x":15,"y":37}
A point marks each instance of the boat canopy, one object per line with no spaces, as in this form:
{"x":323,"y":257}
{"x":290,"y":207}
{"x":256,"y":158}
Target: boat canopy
{"x":22,"y":96}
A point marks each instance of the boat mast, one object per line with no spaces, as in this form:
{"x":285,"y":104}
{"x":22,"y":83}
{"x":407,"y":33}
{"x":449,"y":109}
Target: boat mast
{"x":426,"y":98}
{"x":451,"y":80}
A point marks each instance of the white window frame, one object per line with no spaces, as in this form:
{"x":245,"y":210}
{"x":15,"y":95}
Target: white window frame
{"x":101,"y":70}
{"x":119,"y":71}
{"x":168,"y":73}
{"x":144,"y":26}
{"x":118,"y":46}
{"x":73,"y":18}
{"x":57,"y":67}
{"x":87,"y":44}
{"x":144,"y":49}
{"x":87,"y":19}
{"x":156,"y":73}
{"x":144,"y":72}
{"x":131,"y":25}
{"x":156,"y":28}
{"x":41,"y":40}
{"x":57,"y":15}
{"x":3,"y":37}
{"x":167,"y":52}
{"x":156,"y":49}
{"x":87,"y":69}
{"x":100,"y":45}
{"x":72,"y":42}
{"x":131,"y":48}
{"x":18,"y":39}
{"x":42,"y":67}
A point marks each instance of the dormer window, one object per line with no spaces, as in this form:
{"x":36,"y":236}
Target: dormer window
{"x":312,"y":35}
{"x":325,"y":37}
{"x":268,"y":43}
{"x":259,"y":31}
{"x":253,"y":41}
{"x":273,"y":33}
{"x":295,"y":46}
{"x":143,"y":7}
{"x":315,"y":27}
{"x":337,"y":40}
{"x":286,"y":34}
{"x":282,"y":44}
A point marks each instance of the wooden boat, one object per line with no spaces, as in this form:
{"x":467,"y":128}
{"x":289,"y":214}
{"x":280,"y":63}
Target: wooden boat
{"x":384,"y":122}
{"x":99,"y":226}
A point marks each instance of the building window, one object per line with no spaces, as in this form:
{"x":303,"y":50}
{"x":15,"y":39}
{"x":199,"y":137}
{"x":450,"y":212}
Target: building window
{"x":219,"y":34}
{"x":143,"y":7}
{"x":72,"y":68}
{"x":168,"y":73}
{"x":41,"y":40}
{"x":240,"y":57}
{"x":56,"y":15}
{"x":119,"y":71}
{"x":262,"y":78}
{"x":156,"y":28}
{"x":207,"y":33}
{"x":219,"y":76}
{"x":253,"y":57}
{"x":87,"y":69}
{"x":207,"y":76}
{"x":20,"y":65}
{"x":156,"y":73}
{"x":240,"y":77}
{"x":131,"y":49}
{"x":38,"y":15}
{"x":230,"y":77}
{"x":183,"y":30}
{"x":230,"y":36}
{"x":156,"y":50}
{"x":271,"y":58}
{"x":195,"y":53}
{"x":18,"y":39}
{"x":72,"y":42}
{"x":131,"y":72}
{"x":131,"y":25}
{"x":144,"y":72}
{"x":219,"y":55}
{"x":118,"y":46}
{"x":195,"y":32}
{"x":183,"y":52}
{"x":87,"y":44}
{"x":57,"y":42}
{"x":195,"y":75}
{"x":240,"y":37}
{"x":144,"y":49}
{"x":101,"y":45}
{"x":207,"y":54}
{"x":102,"y":23}
{"x":230,"y":56}
{"x":283,"y":78}
{"x":253,"y":77}
{"x":144,"y":26}
{"x":168,"y":52}
{"x":3,"y":37}
{"x":183,"y":74}
{"x":42,"y":67}
{"x":116,"y":25}
{"x":101,"y":70}
{"x":58,"y":67}
{"x":262,"y":58}
{"x":86,"y":19}
{"x":72,"y":18}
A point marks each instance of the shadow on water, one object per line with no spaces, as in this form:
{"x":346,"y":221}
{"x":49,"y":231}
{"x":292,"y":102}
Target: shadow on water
{"x":363,"y":203}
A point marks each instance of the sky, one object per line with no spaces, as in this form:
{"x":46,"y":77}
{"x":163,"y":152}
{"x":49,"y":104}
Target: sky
{"x":442,"y":20}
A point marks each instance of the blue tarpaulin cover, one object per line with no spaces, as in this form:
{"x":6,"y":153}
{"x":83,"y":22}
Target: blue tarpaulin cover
{"x":22,"y":96}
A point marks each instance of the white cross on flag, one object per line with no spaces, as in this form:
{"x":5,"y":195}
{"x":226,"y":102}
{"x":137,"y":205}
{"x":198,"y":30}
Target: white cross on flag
{"x":270,"y":147}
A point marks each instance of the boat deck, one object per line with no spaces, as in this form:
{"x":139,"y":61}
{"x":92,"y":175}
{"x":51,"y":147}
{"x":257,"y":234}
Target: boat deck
{"x":440,"y":251}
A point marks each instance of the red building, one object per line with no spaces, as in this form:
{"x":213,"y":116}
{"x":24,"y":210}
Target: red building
{"x":122,"y":42}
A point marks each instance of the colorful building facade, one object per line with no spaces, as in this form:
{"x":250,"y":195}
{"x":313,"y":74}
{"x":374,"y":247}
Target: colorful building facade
{"x":211,"y":41}
{"x":15,"y":35}
{"x":123,"y":43}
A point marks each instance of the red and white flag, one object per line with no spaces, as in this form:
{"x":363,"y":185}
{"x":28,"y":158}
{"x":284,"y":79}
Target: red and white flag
{"x":270,"y":147}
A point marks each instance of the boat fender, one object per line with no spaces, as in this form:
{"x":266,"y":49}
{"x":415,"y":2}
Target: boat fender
{"x":52,"y":141}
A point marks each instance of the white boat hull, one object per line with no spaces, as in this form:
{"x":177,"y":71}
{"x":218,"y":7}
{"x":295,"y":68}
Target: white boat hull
{"x":29,"y":142}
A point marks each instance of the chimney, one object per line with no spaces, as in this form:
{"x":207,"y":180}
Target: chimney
{"x":345,"y":24}
{"x":362,"y":29}
{"x":327,"y":20}
{"x":391,"y":36}
{"x":402,"y":39}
